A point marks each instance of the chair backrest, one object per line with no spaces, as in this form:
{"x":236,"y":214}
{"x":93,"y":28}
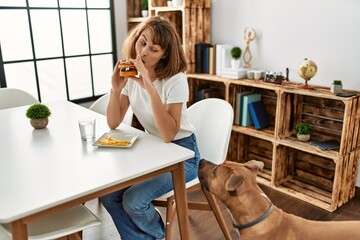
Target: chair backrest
{"x":100,"y":106}
{"x":12,"y":97}
{"x":213,"y":120}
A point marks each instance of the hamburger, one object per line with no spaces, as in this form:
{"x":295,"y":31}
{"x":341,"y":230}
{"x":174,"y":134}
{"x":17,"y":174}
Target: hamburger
{"x":127,"y":70}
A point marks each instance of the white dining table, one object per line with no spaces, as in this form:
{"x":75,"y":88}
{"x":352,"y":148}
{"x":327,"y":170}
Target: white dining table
{"x":47,"y":170}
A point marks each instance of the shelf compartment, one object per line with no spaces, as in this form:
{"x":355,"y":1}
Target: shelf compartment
{"x":304,"y":175}
{"x":244,"y":148}
{"x":269,"y":99}
{"x":325,"y":116}
{"x":315,"y":179}
{"x":195,"y":85}
{"x":307,"y":146}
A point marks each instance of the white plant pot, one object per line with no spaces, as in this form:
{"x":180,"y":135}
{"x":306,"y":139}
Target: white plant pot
{"x":336,"y":88}
{"x":303,"y":137}
{"x":144,"y":13}
{"x":235,"y":64}
{"x":177,"y":3}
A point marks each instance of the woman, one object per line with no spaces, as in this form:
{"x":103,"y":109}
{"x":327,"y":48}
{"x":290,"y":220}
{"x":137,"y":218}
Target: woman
{"x":158,"y":99}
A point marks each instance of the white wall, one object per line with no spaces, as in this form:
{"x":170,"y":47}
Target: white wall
{"x":326,"y":31}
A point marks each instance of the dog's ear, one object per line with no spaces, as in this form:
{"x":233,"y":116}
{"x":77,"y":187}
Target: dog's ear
{"x":254,"y":165}
{"x":233,"y":182}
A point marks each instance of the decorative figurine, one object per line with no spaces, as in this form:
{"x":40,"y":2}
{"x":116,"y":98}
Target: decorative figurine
{"x":249,"y":35}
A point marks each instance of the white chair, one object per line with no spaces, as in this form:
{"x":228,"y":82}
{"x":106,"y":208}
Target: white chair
{"x":213,"y":119}
{"x":12,"y":97}
{"x":100,"y":106}
{"x":65,"y":223}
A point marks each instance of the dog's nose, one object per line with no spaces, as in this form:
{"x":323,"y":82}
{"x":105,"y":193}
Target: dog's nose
{"x":202,"y":163}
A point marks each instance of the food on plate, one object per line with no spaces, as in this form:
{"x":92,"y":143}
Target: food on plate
{"x":108,"y":140}
{"x":127,"y":70}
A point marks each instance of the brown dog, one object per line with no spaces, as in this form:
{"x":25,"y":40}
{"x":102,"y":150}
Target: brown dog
{"x":254,"y":214}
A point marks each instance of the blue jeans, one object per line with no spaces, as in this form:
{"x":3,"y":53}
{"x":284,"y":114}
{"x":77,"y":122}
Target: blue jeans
{"x":131,"y":208}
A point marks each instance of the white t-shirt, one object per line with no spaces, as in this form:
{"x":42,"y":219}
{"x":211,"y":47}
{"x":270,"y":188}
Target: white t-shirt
{"x":172,"y":90}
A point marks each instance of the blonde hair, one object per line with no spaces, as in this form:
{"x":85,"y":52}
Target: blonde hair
{"x":166,"y":37}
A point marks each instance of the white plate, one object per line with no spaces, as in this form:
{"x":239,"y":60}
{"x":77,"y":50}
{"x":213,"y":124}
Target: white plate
{"x":118,"y":136}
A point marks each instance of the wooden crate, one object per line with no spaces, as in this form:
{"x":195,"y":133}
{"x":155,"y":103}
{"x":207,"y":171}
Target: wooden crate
{"x":315,"y":179}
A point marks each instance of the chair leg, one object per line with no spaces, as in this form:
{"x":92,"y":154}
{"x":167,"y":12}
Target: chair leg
{"x":216,"y":210}
{"x":170,"y":215}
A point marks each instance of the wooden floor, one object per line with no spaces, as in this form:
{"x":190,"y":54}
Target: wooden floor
{"x":204,"y":226}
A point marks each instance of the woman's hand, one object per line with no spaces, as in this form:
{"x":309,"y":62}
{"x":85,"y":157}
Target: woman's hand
{"x":118,"y":82}
{"x":144,"y":79}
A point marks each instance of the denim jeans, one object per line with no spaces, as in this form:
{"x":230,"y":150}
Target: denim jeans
{"x":131,"y":208}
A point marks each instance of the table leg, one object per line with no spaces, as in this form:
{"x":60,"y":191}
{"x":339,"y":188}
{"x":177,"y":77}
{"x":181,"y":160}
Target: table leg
{"x":178,"y":178}
{"x":19,"y":230}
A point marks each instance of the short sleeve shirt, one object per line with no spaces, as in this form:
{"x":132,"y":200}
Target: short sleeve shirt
{"x":172,"y":90}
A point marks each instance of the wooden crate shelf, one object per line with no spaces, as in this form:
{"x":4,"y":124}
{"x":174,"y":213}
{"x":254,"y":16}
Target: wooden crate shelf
{"x":294,"y":143}
{"x":325,"y":179}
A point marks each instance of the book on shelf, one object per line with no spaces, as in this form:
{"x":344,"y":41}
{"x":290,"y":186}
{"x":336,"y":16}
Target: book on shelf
{"x":239,"y":96}
{"x":212,"y":61}
{"x":220,"y":63}
{"x":327,"y":145}
{"x":206,"y":59}
{"x":245,"y":114}
{"x":202,"y":57}
{"x":259,"y":115}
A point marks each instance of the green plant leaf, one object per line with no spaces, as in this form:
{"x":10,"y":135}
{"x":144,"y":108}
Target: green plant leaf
{"x":236,"y":52}
{"x":38,"y":110}
{"x":303,"y":128}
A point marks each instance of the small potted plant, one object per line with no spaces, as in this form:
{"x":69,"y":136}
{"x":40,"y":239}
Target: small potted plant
{"x":336,"y":86}
{"x":144,"y":8}
{"x":38,"y":114}
{"x":235,"y":54}
{"x":303,"y":131}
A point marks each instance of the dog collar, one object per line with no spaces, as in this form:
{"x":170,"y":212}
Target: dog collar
{"x":256,"y":221}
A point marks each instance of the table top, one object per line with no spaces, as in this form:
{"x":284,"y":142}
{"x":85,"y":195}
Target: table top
{"x":40,"y":169}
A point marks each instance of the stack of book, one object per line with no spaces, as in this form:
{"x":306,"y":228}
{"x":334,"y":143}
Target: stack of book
{"x":249,"y":110}
{"x":234,"y":73}
{"x":215,"y":59}
{"x":204,"y":58}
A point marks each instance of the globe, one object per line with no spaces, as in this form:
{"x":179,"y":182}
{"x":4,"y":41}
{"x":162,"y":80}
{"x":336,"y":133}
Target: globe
{"x":307,"y":70}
